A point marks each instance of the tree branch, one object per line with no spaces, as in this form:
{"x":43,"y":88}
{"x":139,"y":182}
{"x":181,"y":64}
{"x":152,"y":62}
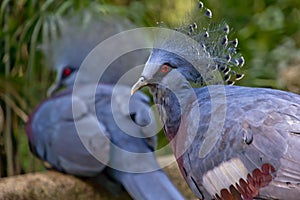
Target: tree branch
{"x":51,"y":185}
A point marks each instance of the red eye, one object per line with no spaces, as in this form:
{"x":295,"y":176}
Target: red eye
{"x":164,"y":68}
{"x":67,"y":72}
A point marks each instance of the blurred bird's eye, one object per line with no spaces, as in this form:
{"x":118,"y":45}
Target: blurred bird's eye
{"x":67,"y":72}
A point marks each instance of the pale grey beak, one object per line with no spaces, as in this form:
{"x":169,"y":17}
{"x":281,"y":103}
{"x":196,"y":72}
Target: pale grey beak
{"x":53,"y":88}
{"x":142,"y":82}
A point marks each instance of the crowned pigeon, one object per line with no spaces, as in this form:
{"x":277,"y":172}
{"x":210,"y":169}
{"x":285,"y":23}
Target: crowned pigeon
{"x":230,"y":142}
{"x":97,"y":128}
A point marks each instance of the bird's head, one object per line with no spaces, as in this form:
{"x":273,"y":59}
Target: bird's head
{"x":65,"y":77}
{"x":165,"y":68}
{"x":201,"y":55}
{"x":75,"y":38}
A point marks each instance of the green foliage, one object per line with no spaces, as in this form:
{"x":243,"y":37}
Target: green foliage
{"x":268,"y":33}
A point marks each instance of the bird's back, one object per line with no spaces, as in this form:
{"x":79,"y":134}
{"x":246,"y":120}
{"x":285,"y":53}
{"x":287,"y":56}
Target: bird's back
{"x":243,"y":133}
{"x":53,"y":135}
{"x":74,"y":131}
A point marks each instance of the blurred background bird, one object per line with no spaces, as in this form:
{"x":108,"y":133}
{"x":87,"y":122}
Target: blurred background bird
{"x":97,"y":129}
{"x":231,"y":142}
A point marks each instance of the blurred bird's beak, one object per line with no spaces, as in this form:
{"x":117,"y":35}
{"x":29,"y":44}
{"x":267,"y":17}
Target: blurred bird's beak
{"x":53,"y":88}
{"x":56,"y":85}
{"x":142,"y":82}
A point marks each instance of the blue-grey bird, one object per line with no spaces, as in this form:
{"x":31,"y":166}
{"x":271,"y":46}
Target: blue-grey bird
{"x":231,"y":142}
{"x":95,"y":128}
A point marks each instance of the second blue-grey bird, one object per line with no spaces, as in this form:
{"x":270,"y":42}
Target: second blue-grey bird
{"x":96,"y":129}
{"x":230,"y":142}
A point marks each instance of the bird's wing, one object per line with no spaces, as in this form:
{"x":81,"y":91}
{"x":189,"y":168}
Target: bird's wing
{"x":133,"y":162}
{"x":132,"y":114}
{"x":271,"y":142}
{"x":255,"y":144}
{"x":125,"y":125}
{"x":68,"y":136}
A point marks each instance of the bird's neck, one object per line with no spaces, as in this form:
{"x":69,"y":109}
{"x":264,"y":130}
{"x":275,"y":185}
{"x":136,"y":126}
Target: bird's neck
{"x":172,"y":105}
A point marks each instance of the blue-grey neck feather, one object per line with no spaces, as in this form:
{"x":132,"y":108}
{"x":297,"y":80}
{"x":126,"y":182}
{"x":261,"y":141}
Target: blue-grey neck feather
{"x":169,"y":110}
